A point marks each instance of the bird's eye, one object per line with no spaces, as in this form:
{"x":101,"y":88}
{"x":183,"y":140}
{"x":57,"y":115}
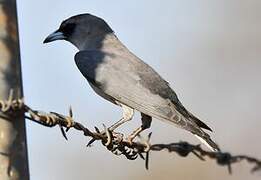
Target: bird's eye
{"x":67,"y":29}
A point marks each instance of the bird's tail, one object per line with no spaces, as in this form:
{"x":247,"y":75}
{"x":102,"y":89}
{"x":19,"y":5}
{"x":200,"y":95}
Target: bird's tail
{"x":203,"y":136}
{"x":184,"y":119}
{"x":206,"y":140}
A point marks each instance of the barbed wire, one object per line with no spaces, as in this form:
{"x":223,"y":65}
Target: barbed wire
{"x":114,"y":141}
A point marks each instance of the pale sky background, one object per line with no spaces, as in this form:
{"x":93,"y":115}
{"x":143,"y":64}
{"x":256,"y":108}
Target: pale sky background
{"x":209,"y":51}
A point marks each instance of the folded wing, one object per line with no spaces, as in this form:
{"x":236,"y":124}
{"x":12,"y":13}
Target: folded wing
{"x":129,"y":80}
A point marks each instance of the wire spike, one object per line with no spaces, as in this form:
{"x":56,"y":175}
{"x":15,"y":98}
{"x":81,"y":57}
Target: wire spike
{"x":90,"y":142}
{"x":70,"y":111}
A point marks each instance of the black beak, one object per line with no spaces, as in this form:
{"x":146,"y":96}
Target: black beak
{"x":57,"y":35}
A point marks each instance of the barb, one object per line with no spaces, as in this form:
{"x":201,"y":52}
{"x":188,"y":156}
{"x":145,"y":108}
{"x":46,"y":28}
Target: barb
{"x":115,"y":141}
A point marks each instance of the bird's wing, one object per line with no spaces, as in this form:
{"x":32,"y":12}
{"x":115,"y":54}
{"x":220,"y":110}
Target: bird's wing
{"x":132,"y":82}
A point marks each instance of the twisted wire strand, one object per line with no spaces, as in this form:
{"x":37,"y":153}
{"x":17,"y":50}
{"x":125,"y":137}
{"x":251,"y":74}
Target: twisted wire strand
{"x":115,"y":141}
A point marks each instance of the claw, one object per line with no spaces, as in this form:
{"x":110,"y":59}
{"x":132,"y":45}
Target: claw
{"x":147,"y":146}
{"x":108,"y":134}
{"x":146,"y":142}
{"x":130,"y":139}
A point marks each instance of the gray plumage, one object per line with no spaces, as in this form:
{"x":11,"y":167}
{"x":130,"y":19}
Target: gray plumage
{"x":121,"y":77}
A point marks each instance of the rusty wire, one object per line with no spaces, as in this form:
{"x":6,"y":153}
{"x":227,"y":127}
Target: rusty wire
{"x":115,"y":141}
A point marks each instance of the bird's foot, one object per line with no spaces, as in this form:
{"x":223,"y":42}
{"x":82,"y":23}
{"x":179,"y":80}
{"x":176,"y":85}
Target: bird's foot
{"x":147,"y":146}
{"x":111,"y":135}
{"x":130,"y":139}
{"x":135,"y":133}
{"x":146,"y":143}
{"x":118,"y":136}
{"x":110,"y":129}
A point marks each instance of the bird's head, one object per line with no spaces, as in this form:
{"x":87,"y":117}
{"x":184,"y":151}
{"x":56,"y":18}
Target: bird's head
{"x":81,"y":30}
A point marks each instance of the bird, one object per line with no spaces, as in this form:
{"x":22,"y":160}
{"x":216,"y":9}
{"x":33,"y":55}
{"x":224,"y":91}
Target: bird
{"x":119,"y":76}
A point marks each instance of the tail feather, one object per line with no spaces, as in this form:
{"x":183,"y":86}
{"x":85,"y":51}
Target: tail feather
{"x":199,"y":122}
{"x":186,"y":120}
{"x":207,"y":141}
{"x":181,"y":109}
